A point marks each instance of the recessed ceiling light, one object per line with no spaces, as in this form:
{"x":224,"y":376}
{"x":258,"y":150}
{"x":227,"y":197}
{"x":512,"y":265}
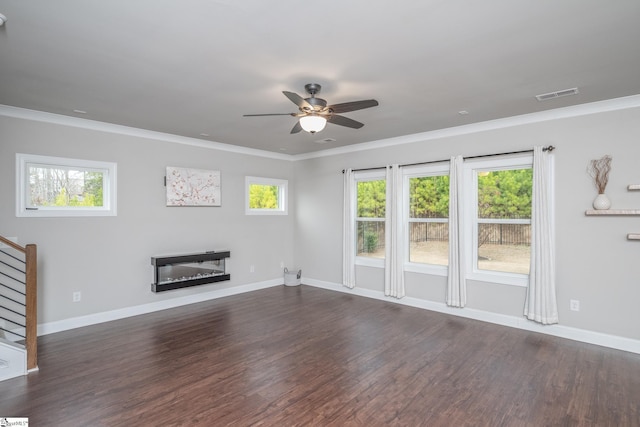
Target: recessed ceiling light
{"x":325,"y":140}
{"x":463,"y":112}
{"x":80,"y":111}
{"x":204,"y":134}
{"x":3,"y":19}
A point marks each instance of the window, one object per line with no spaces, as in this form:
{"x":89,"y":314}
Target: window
{"x":427,"y":198}
{"x":370,"y":214}
{"x":55,"y":186}
{"x":265,"y":196}
{"x":500,"y":218}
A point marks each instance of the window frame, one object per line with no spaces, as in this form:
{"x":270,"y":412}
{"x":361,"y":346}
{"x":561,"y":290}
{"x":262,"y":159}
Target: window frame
{"x":470,"y":229}
{"x":283,"y":195}
{"x":436,"y":169}
{"x":109,"y":187}
{"x":360,"y":176}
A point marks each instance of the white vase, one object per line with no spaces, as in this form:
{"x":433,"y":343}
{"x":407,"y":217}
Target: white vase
{"x":601,"y":202}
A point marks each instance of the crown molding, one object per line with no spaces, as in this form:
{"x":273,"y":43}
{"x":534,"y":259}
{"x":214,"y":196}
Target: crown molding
{"x":615,"y":104}
{"x":77,"y":122}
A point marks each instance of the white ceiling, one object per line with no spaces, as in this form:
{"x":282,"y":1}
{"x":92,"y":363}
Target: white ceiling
{"x":192,"y":67}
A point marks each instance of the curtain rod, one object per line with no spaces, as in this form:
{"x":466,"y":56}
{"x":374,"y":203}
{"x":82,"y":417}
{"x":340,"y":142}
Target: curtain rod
{"x":549,"y":148}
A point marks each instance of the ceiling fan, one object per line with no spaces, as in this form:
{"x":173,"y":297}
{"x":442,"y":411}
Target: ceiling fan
{"x":315,"y":113}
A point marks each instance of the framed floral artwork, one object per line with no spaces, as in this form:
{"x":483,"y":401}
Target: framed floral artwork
{"x":192,"y":187}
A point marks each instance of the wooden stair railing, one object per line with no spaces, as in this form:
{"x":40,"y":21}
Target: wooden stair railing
{"x":30,"y":252}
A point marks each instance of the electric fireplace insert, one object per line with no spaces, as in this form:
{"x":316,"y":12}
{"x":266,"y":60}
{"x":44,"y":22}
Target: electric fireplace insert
{"x":181,"y":271}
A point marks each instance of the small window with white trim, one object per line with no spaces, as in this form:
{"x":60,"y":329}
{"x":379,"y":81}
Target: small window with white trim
{"x":265,"y":196}
{"x":62,"y":187}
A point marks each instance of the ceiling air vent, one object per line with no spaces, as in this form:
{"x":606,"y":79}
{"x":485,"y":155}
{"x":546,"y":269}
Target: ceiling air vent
{"x":557,"y":94}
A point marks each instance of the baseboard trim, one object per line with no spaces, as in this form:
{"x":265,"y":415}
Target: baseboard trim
{"x":582,"y":335}
{"x":107,"y":316}
{"x":13,"y":360}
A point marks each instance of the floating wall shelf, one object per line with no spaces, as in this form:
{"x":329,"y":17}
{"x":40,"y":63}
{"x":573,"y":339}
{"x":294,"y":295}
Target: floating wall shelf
{"x":619,"y":212}
{"x":610,"y":212}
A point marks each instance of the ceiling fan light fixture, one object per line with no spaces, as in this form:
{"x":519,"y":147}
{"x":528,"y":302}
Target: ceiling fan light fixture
{"x":313,"y":123}
{"x":314,"y":113}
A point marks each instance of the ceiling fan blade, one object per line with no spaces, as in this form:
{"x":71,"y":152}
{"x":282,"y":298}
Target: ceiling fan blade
{"x":298,"y":100}
{"x":297,"y":128}
{"x":353,"y":106}
{"x":269,"y":114}
{"x":344,"y":121}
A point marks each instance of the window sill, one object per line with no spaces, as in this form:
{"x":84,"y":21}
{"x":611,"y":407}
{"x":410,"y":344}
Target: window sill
{"x":65,"y":213}
{"x":265,"y":212}
{"x":370,"y":262}
{"x":521,"y":280}
{"x":431,"y":269}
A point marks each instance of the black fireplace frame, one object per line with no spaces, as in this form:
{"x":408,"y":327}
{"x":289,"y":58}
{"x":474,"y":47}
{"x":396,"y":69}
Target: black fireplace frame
{"x":162,"y":261}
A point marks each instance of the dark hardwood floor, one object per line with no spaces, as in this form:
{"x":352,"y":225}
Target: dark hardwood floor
{"x":306,"y":356}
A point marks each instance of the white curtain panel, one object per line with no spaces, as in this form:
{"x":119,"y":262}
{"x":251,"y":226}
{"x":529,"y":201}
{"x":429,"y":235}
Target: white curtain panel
{"x":388,"y":230}
{"x":456,"y":285}
{"x":394,"y":235}
{"x":349,"y":231}
{"x":540,"y":304}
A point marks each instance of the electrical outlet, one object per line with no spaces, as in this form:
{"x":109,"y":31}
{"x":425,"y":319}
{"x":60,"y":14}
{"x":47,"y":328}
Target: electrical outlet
{"x":77,"y":296}
{"x":252,"y":269}
{"x":574,"y":305}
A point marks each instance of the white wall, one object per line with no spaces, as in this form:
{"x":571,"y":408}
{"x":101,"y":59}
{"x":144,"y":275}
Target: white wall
{"x":595,"y":262}
{"x":107,"y":259}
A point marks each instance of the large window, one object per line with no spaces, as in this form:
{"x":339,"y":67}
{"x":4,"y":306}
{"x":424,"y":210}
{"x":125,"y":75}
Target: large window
{"x":494,"y":224}
{"x":265,"y":196}
{"x":55,"y":186}
{"x":370,"y":215}
{"x":500,"y":217}
{"x":427,"y":198}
